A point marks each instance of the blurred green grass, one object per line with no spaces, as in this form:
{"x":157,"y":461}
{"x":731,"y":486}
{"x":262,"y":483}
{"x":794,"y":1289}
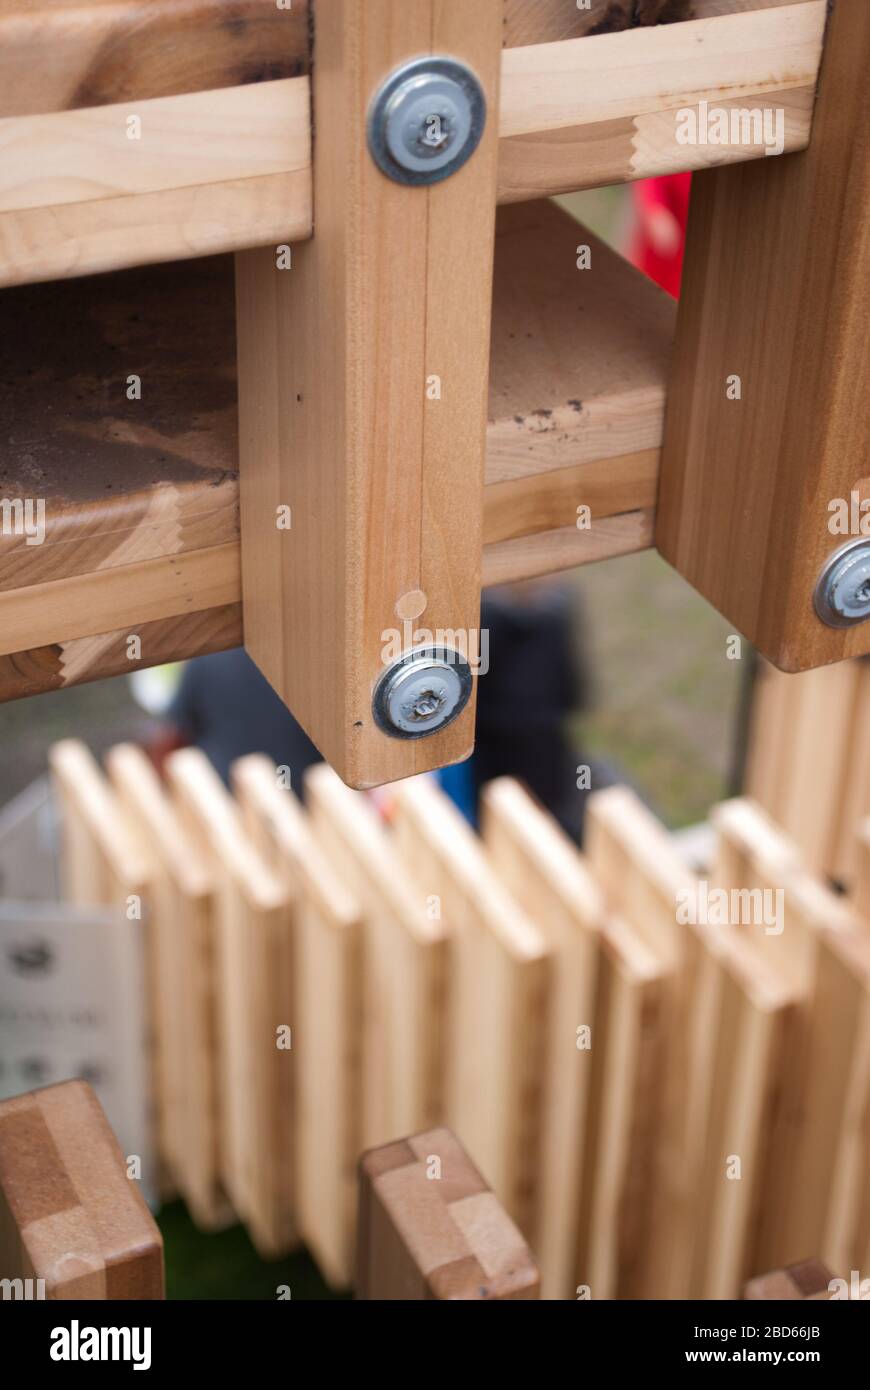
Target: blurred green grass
{"x":224,"y":1265}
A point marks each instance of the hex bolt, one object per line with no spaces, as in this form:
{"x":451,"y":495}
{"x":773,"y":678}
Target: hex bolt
{"x":422,"y":692}
{"x":426,"y":120}
{"x":842,"y":596}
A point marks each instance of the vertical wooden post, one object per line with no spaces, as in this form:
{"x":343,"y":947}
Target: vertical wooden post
{"x":429,"y":1227}
{"x":767,"y":417}
{"x":363,"y":391}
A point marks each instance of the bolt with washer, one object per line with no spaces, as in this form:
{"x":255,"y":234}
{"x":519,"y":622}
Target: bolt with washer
{"x":426,"y":120}
{"x":842,"y":596}
{"x":422,"y":692}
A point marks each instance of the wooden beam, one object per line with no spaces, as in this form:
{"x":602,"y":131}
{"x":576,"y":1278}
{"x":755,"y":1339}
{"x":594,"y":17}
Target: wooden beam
{"x":776,"y":262}
{"x":180,"y":142}
{"x":229,"y":168}
{"x":430,"y":1228}
{"x":78,"y":660}
{"x":606,"y":109}
{"x":339,"y":418}
{"x":61,"y":55}
{"x":69,"y":1213}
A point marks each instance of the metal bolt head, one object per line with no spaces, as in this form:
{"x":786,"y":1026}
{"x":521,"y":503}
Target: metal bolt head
{"x":422,"y":692}
{"x":426,"y":120}
{"x":842,"y":596}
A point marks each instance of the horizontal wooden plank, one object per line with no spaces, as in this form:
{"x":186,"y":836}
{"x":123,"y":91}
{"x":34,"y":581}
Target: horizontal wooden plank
{"x":107,"y":152}
{"x":551,"y":501}
{"x":640,"y":147}
{"x":89,"y":604}
{"x":61,"y":55}
{"x":566,"y":548}
{"x":176,"y":224}
{"x":77,"y":195}
{"x":658,"y":69}
{"x":78,"y":660}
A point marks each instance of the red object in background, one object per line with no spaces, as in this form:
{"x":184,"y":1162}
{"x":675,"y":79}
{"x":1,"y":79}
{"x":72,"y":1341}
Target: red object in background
{"x":659,"y":237}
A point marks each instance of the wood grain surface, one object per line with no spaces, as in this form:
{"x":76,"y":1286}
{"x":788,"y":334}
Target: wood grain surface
{"x":69,"y":1214}
{"x":777,"y":267}
{"x":60,"y":55}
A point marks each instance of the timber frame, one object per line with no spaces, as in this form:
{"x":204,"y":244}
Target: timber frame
{"x":577,"y":415}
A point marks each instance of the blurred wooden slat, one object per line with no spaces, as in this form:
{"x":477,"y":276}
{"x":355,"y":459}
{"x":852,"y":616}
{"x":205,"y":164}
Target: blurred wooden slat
{"x":328,"y":1014}
{"x":861,"y":894}
{"x":809,"y":759}
{"x":497,"y":995}
{"x":844,"y":980}
{"x":254,"y":970}
{"x":816,"y":948}
{"x":643,"y":877}
{"x":809,"y":1280}
{"x":551,"y":882}
{"x":404,"y":963}
{"x":182,"y":935}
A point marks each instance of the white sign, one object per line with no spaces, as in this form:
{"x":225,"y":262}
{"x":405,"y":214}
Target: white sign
{"x":71,"y":985}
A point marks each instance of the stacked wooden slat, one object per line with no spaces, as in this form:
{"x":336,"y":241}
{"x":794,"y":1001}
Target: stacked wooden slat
{"x":665,"y":1080}
{"x":809,"y":760}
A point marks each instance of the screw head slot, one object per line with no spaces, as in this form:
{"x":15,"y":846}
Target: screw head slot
{"x":842,"y":596}
{"x":422,"y":692}
{"x":426,"y":120}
